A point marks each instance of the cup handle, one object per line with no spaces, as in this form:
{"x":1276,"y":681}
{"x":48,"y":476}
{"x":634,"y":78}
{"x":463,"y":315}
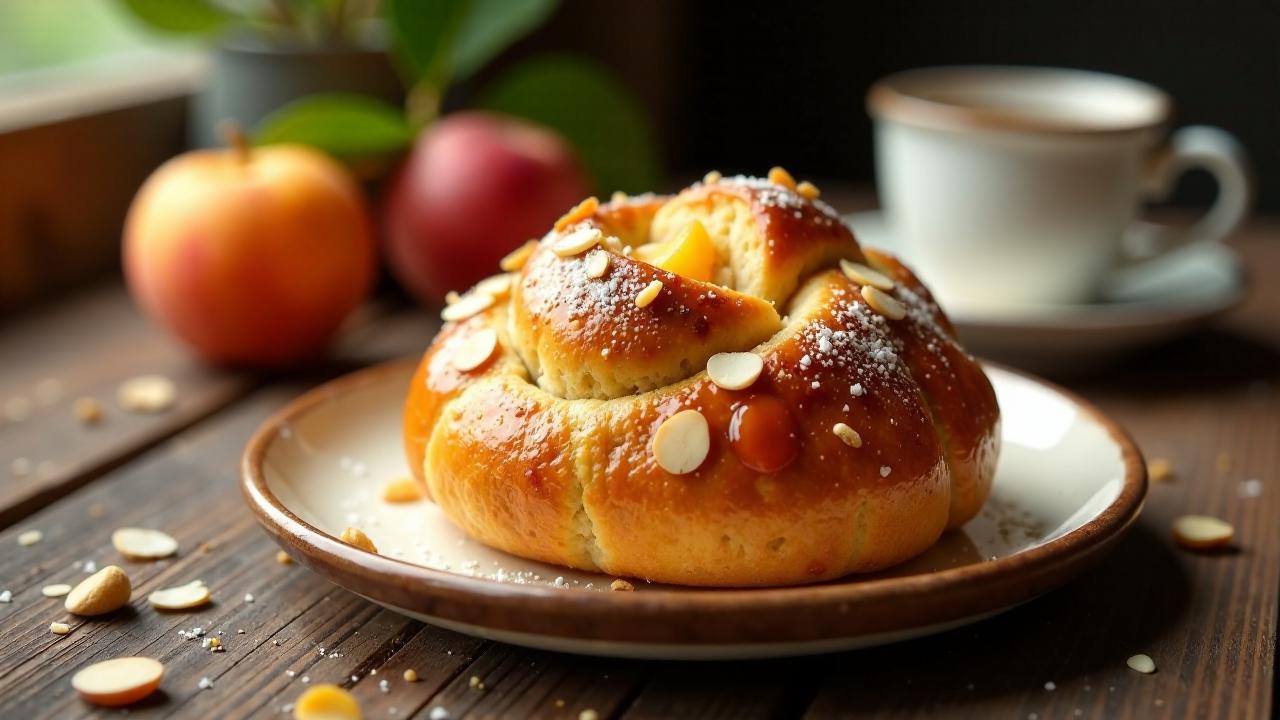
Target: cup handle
{"x":1214,"y":150}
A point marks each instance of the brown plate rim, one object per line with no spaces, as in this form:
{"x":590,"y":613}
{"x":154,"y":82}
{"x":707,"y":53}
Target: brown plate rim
{"x":702,"y":616}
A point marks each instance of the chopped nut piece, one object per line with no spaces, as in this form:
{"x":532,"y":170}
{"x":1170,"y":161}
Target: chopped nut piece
{"x":883,"y":303}
{"x":475,"y":682}
{"x":30,"y":537}
{"x":648,"y":294}
{"x":580,"y":212}
{"x":121,"y":681}
{"x":864,"y":275}
{"x":597,"y":264}
{"x":355,"y":537}
{"x":712,"y":177}
{"x":402,"y":490}
{"x":1201,"y":532}
{"x":808,"y":190}
{"x":577,"y":242}
{"x":681,"y":442}
{"x":1142,"y":663}
{"x":475,"y":349}
{"x":516,"y":259}
{"x":283,"y":558}
{"x":620,"y":585}
{"x":468,"y":305}
{"x":59,"y":628}
{"x":499,"y":286}
{"x":183,"y":597}
{"x":55,"y":591}
{"x":779,"y":176}
{"x":87,"y":410}
{"x":326,"y":702}
{"x":143,"y":543}
{"x":147,"y":394}
{"x":1159,"y":469}
{"x":411,"y":675}
{"x":847,"y":435}
{"x":734,"y":371}
{"x":102,"y":592}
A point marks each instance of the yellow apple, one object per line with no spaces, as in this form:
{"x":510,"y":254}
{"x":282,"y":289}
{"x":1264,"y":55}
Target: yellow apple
{"x":252,"y":256}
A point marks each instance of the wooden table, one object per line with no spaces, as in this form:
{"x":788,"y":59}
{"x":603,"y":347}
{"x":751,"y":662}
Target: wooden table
{"x":1210,"y":404}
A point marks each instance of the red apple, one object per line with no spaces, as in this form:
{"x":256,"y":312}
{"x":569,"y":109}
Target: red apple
{"x":474,"y":187}
{"x":253,"y":257}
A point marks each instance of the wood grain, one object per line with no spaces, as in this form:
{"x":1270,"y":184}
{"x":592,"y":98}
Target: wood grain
{"x":1210,"y":404}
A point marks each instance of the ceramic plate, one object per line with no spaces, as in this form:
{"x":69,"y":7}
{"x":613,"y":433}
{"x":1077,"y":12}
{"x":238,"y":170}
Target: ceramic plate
{"x":1164,"y":299}
{"x":1068,"y":484}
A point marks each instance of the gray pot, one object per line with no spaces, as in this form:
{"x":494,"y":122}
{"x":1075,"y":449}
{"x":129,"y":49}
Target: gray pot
{"x":251,"y":79}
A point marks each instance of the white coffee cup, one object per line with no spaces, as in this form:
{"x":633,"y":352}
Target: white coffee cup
{"x":1018,"y":185}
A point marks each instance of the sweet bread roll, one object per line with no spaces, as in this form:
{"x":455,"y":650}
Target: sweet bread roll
{"x":715,"y":388}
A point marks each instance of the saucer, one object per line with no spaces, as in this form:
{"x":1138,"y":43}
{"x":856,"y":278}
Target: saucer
{"x":1165,"y":298}
{"x":1068,"y":483}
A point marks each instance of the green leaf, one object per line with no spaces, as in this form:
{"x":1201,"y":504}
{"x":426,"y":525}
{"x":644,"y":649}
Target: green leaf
{"x":591,"y":109}
{"x":347,"y":126}
{"x":423,"y":30}
{"x":490,"y":26}
{"x":189,"y":17}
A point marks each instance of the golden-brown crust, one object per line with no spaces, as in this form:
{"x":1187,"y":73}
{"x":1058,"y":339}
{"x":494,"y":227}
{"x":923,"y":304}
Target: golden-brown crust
{"x":575,"y":481}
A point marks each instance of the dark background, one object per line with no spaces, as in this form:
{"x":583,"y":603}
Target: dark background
{"x":742,"y":86}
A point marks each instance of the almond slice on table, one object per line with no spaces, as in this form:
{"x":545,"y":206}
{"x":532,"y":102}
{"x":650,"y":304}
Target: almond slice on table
{"x":1201,"y":532}
{"x":734,"y":371}
{"x":147,"y":394}
{"x":475,"y":349}
{"x":1141,"y":663}
{"x":183,"y":597}
{"x":143,"y":543}
{"x":121,"y":681}
{"x":355,"y":537}
{"x":55,"y":591}
{"x":682,"y":442}
{"x":401,"y":490}
{"x":100,"y":593}
{"x":864,"y":275}
{"x":326,"y":702}
{"x":59,"y":628}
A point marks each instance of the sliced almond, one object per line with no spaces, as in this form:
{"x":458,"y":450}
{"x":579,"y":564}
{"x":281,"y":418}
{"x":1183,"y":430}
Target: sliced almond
{"x":326,"y":702}
{"x":864,"y":275}
{"x":451,"y":297}
{"x":87,"y":410}
{"x":516,"y":259}
{"x":55,"y":591}
{"x":183,"y":597}
{"x":121,"y":681}
{"x":577,"y":242}
{"x":100,"y":593}
{"x":648,"y":294}
{"x":59,"y":628}
{"x":474,"y":350}
{"x":580,"y":212}
{"x":597,"y":264}
{"x":147,"y":394}
{"x":779,"y":176}
{"x":808,"y":190}
{"x":1142,"y":663}
{"x":28,"y":538}
{"x":883,"y":303}
{"x":143,"y":543}
{"x":712,"y":178}
{"x":620,"y":585}
{"x":1201,"y":532}
{"x":847,"y":435}
{"x":734,"y":371}
{"x":682,"y":442}
{"x":402,"y":490}
{"x":499,"y":286}
{"x":468,"y":305}
{"x":355,"y":537}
